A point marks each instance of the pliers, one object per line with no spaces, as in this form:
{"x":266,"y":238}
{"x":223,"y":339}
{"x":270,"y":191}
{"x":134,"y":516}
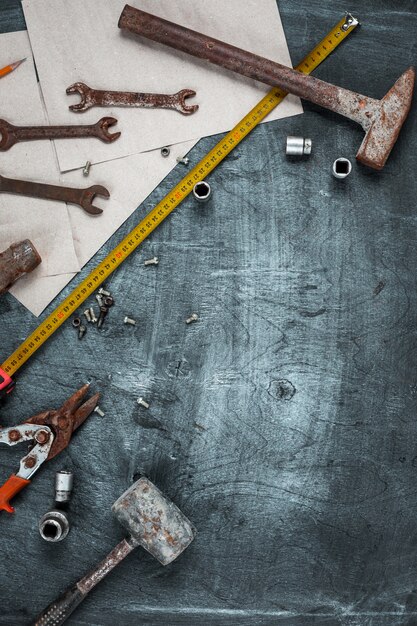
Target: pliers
{"x":51,"y":433}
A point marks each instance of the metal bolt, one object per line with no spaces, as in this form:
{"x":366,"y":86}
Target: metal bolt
{"x":129,"y":320}
{"x":192,"y":318}
{"x":183,"y":160}
{"x":81,"y":331}
{"x":165,"y":151}
{"x":99,"y":411}
{"x":87,"y":315}
{"x":103,"y":313}
{"x":103,"y":292}
{"x":153,"y":261}
{"x":99,"y":300}
{"x":42,"y":437}
{"x":143,"y":403}
{"x":86,"y":169}
{"x":14,"y":435}
{"x":93,"y":315}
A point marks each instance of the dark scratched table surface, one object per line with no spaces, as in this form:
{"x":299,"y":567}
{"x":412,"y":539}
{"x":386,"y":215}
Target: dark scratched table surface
{"x":284,"y":422}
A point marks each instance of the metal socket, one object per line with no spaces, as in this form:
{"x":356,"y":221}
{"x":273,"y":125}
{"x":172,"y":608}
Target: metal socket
{"x":64,"y":481}
{"x":202,"y":191}
{"x":298,"y":146}
{"x":341,"y":168}
{"x":54,"y":526}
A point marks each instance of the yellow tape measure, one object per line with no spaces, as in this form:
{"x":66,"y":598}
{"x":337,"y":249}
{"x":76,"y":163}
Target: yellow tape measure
{"x":171,"y":201}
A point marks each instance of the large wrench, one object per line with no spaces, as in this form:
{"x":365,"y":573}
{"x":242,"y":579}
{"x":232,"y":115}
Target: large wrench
{"x":82,"y":197}
{"x":96,"y":98}
{"x":13,"y":134}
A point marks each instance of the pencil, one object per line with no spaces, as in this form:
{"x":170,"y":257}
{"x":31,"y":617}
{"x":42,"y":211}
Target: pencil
{"x":9,"y":68}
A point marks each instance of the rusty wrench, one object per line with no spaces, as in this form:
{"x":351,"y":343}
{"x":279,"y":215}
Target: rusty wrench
{"x":13,"y":134}
{"x":82,"y":197}
{"x":96,"y":98}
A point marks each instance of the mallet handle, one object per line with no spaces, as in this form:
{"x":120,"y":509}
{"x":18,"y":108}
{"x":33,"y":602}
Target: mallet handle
{"x":59,"y":611}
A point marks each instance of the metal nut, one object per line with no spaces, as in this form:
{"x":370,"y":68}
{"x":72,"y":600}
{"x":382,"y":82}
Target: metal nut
{"x":165,"y":151}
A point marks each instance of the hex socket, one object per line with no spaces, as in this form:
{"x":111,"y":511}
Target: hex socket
{"x":54,"y":526}
{"x":202,"y":191}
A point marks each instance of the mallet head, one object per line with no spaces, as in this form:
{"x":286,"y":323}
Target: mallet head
{"x":153,"y":521}
{"x":386,"y":121}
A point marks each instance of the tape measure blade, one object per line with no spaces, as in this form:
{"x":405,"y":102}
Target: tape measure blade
{"x":161,"y":211}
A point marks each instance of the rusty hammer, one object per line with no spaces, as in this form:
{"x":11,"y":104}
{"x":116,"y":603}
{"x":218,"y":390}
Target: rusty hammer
{"x":381,"y":119}
{"x":21,"y":258}
{"x":153,"y":522}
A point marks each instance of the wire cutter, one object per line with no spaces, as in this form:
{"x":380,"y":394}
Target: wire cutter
{"x":51,"y":433}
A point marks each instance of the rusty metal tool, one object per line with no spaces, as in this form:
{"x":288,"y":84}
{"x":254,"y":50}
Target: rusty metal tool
{"x":82,"y":197}
{"x":9,"y":68}
{"x":96,"y":98}
{"x":9,"y":134}
{"x":19,"y":259}
{"x":51,"y":432}
{"x":100,"y":274}
{"x":381,"y":119}
{"x":153,"y":522}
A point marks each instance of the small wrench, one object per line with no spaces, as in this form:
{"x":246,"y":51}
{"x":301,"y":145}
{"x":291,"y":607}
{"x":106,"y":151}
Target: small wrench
{"x":82,"y":197}
{"x":13,"y":134}
{"x":93,"y":97}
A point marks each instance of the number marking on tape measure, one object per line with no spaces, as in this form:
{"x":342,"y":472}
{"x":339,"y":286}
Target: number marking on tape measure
{"x":161,"y":211}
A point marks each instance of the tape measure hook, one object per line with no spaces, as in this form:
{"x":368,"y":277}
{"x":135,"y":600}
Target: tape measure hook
{"x":350,"y":22}
{"x":6,"y":383}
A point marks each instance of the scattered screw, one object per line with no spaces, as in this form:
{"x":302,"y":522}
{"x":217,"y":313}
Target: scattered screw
{"x":143,"y":403}
{"x":93,"y":315}
{"x":165,"y":151}
{"x":86,"y":169}
{"x":81,"y":331}
{"x":99,"y":300}
{"x":183,"y":160}
{"x":153,"y":261}
{"x":76,"y":322}
{"x":192,"y":318}
{"x":103,"y":292}
{"x":129,"y":320}
{"x":87,"y":315}
{"x":99,"y":411}
{"x":103,"y":313}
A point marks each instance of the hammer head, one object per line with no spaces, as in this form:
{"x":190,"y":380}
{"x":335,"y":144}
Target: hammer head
{"x":386,"y":122}
{"x":153,"y":521}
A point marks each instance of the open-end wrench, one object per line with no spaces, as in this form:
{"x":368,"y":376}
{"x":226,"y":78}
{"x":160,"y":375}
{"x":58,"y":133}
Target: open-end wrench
{"x":82,"y":197}
{"x":96,"y":98}
{"x":13,"y":134}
